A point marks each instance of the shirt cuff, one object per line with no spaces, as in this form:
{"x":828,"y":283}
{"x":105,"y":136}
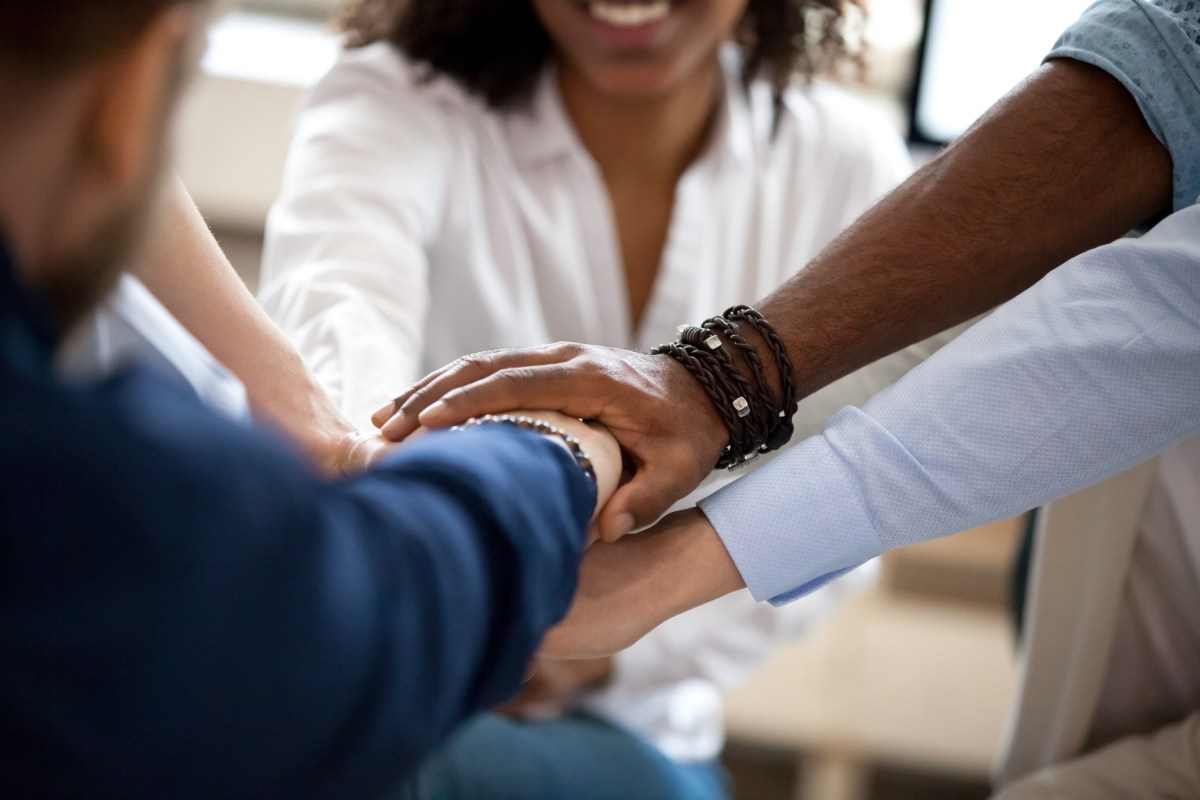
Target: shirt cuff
{"x":1151,"y":50}
{"x":795,"y":527}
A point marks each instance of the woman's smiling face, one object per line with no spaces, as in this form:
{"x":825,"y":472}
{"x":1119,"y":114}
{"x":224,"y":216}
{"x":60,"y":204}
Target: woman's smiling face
{"x":638,"y":48}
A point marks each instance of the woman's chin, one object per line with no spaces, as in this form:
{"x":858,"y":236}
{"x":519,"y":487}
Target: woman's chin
{"x":636,"y":82}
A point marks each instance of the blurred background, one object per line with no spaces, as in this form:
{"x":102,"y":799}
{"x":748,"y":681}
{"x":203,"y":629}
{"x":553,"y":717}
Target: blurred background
{"x":903,"y":693}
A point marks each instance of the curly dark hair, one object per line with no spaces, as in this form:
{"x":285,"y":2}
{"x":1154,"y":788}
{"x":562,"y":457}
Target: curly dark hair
{"x":497,"y":48}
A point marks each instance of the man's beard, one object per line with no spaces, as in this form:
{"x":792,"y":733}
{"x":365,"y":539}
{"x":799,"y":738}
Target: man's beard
{"x":76,"y":284}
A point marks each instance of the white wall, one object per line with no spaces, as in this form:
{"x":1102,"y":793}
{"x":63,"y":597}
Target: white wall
{"x":235,"y":123}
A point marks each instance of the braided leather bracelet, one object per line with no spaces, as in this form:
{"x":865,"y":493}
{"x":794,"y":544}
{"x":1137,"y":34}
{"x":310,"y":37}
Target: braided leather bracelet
{"x":753,"y":413}
{"x":726,"y":400}
{"x":769,"y":419}
{"x":783,"y":363}
{"x":537,"y":426}
{"x":753,"y":416}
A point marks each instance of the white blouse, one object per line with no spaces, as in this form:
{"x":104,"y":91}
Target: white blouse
{"x":416,"y":225}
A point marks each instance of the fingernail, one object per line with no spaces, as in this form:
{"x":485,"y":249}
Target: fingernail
{"x":622,"y":525}
{"x":434,"y":411}
{"x":389,"y":409}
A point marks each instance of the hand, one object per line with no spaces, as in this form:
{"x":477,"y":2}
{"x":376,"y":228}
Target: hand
{"x":555,"y":682}
{"x":628,"y":588}
{"x":654,"y":408}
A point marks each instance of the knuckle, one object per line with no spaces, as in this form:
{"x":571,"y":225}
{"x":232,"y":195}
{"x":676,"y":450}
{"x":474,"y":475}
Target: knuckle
{"x":413,"y":400}
{"x":475,"y":362}
{"x":569,"y":351}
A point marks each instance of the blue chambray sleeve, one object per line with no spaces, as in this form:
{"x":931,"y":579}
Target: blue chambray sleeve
{"x":1153,"y":48}
{"x":1091,"y":371}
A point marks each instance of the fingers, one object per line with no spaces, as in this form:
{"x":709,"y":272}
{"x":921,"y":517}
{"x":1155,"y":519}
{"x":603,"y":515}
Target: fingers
{"x":404,"y":418}
{"x":556,"y":387}
{"x":400,"y":417}
{"x":380,"y":417}
{"x":476,"y":364}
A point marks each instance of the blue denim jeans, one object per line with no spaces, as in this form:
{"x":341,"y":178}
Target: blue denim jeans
{"x":575,"y":757}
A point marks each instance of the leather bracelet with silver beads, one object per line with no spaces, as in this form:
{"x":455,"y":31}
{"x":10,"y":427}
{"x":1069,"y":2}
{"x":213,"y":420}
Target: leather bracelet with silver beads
{"x":537,"y":426}
{"x":757,"y":420}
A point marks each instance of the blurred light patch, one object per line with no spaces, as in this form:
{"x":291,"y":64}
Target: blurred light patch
{"x":974,"y":53}
{"x":270,"y":49}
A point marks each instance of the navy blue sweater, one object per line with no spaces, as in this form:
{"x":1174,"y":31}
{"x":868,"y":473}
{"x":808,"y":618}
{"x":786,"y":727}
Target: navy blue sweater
{"x":188,"y":611}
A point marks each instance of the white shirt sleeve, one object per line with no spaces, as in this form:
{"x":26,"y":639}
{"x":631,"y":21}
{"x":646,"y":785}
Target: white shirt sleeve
{"x":1164,"y":764}
{"x":1088,"y":373}
{"x":345,"y":271}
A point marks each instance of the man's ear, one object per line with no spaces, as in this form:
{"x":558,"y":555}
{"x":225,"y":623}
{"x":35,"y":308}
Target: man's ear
{"x":133,"y":94}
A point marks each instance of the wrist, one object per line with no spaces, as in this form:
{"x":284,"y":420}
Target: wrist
{"x":686,"y":393}
{"x":537,"y":423}
{"x":630,"y":587}
{"x":593,"y":673}
{"x":754,"y":397}
{"x":594,"y":450}
{"x":353,"y":451}
{"x":683,"y":564}
{"x":694,"y":563}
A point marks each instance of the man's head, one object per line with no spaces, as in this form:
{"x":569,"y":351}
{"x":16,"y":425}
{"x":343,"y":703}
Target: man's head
{"x":86,"y":93}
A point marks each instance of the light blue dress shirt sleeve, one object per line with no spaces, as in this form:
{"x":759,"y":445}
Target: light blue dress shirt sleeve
{"x":1091,"y":371}
{"x":1153,"y":48}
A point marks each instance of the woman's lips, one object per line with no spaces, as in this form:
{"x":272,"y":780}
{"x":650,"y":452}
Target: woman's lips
{"x":629,"y":15}
{"x":622,"y":25}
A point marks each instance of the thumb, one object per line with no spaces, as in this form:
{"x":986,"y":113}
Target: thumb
{"x":638,"y":503}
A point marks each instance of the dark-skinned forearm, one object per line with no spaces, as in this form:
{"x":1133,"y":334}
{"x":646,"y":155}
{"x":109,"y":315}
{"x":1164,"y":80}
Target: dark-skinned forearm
{"x":1065,"y":163}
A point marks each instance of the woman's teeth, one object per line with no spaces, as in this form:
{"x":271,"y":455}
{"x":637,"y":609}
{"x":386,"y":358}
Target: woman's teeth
{"x":629,"y":15}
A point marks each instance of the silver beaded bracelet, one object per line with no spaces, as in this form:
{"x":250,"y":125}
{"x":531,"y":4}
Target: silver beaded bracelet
{"x":537,"y":426}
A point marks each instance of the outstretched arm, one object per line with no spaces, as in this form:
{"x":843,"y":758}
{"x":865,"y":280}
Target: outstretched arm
{"x":186,"y":270}
{"x":220,"y":622}
{"x":1085,"y":375}
{"x":1064,"y":163}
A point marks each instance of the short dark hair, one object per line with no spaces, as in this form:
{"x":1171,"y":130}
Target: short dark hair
{"x":497,"y":48}
{"x":51,"y":36}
